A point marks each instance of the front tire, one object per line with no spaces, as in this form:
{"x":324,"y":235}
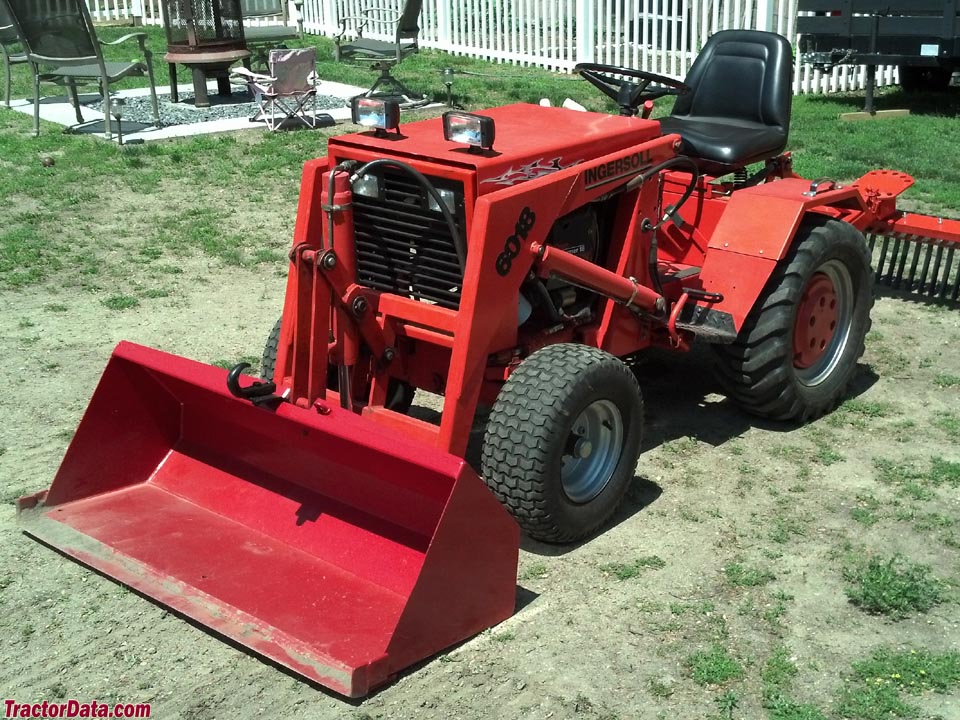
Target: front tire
{"x":562,"y":441}
{"x":798,"y":349}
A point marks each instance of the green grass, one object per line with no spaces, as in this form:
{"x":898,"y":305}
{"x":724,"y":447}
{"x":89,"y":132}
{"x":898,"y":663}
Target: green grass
{"x":535,"y":571}
{"x":740,"y":575}
{"x":875,"y":690}
{"x":893,"y":587}
{"x":946,"y":380}
{"x":120,"y":302}
{"x":777,"y":676}
{"x":714,"y":666}
{"x":630,"y":570}
{"x":914,"y":481}
{"x":948,"y":423}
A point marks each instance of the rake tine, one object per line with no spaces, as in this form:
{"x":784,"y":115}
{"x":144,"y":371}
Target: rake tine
{"x":947,"y":266}
{"x":883,"y":255}
{"x":931,"y":291}
{"x":956,"y":287}
{"x":917,"y":250}
{"x":904,"y":251}
{"x":891,"y":265}
{"x":871,"y":241}
{"x":926,"y":267}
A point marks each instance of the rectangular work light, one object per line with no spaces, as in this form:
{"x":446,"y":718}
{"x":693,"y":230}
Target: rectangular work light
{"x":375,"y":113}
{"x":474,"y":130}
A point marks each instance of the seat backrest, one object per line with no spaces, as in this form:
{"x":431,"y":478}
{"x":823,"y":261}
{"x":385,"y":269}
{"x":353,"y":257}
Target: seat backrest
{"x":741,"y":75}
{"x":55,"y":31}
{"x":408,"y":26}
{"x":8,"y":33}
{"x":292,"y":70}
{"x":263,"y":8}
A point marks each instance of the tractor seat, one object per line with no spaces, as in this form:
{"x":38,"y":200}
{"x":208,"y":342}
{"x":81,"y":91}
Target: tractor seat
{"x":738,"y":109}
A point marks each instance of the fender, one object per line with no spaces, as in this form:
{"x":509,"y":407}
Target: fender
{"x":756,"y":231}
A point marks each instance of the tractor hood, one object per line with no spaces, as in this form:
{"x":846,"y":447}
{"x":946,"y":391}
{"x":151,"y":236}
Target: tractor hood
{"x":531,"y":141}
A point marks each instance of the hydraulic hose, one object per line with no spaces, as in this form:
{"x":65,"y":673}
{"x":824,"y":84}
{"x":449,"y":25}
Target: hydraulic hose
{"x":458,"y":242}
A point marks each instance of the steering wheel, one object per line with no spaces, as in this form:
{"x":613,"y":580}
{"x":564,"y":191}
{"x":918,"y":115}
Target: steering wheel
{"x":629,"y":95}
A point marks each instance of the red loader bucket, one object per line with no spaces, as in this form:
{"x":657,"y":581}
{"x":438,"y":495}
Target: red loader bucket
{"x":335,"y":547}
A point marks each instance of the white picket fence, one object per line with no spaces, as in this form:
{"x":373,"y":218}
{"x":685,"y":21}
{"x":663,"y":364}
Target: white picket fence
{"x":661,"y":36}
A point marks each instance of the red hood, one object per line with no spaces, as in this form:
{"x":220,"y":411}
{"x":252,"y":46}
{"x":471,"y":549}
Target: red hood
{"x":530,"y":141}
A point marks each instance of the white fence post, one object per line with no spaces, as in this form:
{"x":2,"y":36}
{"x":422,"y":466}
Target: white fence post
{"x":765,"y":14}
{"x":444,"y":36}
{"x":586,"y":31}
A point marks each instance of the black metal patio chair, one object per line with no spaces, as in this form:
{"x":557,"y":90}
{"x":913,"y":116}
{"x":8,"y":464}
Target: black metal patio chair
{"x":62,"y":47}
{"x":383,"y":55}
{"x":11,"y":50}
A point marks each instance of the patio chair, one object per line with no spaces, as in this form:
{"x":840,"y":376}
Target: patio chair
{"x":383,"y":55}
{"x":11,"y":49}
{"x":267,"y":24}
{"x":59,"y":35}
{"x":290,"y":86}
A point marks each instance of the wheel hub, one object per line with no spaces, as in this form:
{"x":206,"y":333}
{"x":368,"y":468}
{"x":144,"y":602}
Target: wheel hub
{"x":816,"y":321}
{"x":592,"y":451}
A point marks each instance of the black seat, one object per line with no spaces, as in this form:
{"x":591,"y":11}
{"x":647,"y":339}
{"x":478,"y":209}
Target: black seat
{"x":738,"y":109}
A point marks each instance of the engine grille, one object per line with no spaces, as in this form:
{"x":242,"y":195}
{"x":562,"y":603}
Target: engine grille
{"x":405,"y":248}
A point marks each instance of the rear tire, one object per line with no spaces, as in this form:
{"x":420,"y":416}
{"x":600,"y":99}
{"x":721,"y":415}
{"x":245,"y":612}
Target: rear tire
{"x":916,"y":78}
{"x":562,"y":441}
{"x":799,"y":347}
{"x":399,"y":394}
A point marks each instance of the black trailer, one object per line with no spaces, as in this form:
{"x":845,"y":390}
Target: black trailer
{"x":922,"y":37}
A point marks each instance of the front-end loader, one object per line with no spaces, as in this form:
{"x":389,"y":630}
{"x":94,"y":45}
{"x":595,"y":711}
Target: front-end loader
{"x":512,"y":259}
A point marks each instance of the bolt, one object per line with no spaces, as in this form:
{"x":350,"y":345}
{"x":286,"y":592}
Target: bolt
{"x":359,"y":306}
{"x":389,"y":354}
{"x":329,"y":260}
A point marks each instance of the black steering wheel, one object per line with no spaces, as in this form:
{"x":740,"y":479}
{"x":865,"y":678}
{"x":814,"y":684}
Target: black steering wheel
{"x":629,"y":95}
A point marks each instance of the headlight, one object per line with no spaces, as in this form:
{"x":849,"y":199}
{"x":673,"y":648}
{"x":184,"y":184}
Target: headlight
{"x":448,"y":198}
{"x":377,"y":114}
{"x":474,"y":130}
{"x":367,"y":185}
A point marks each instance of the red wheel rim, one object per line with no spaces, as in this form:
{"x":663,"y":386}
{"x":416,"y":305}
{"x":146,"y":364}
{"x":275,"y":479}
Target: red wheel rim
{"x":816,"y":321}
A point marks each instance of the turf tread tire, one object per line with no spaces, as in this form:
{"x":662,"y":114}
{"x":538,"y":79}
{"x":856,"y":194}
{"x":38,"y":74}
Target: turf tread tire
{"x":528,"y":423}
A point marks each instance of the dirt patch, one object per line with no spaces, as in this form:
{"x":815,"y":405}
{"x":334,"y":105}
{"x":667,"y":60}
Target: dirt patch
{"x":753,"y":523}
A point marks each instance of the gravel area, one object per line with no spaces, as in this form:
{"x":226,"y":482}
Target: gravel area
{"x":240,"y":104}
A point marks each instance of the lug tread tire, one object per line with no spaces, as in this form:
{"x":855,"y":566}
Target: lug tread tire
{"x":757,"y":369}
{"x":528,"y":424}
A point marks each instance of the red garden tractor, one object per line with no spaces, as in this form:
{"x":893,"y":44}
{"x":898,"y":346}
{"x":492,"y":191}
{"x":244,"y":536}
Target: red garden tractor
{"x":509,"y":258}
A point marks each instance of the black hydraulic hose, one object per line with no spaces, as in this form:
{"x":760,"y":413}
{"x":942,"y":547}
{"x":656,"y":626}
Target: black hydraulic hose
{"x":636,"y":182}
{"x":458,"y":243}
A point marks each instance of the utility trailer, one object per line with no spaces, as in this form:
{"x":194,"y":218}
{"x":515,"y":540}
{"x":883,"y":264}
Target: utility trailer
{"x":921,"y":37}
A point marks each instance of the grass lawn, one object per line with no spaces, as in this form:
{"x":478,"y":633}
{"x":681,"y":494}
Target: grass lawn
{"x":56,"y":224}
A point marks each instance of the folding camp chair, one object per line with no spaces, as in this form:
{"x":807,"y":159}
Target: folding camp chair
{"x":291,"y":84}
